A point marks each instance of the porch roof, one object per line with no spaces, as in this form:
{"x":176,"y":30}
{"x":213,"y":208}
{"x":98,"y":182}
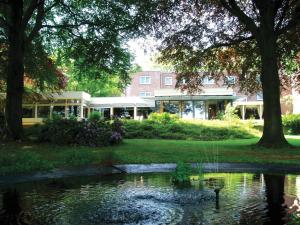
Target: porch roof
{"x":106,"y":102}
{"x":196,"y":97}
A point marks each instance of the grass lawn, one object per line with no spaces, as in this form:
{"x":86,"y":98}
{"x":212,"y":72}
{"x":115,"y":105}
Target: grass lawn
{"x":24,"y":158}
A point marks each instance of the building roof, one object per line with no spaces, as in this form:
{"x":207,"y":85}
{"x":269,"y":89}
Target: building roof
{"x":122,"y":102}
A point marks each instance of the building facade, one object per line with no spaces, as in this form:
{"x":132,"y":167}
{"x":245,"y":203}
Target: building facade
{"x":207,"y":104}
{"x":152,"y":91}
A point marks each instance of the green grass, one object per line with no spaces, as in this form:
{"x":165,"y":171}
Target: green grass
{"x":16,"y":158}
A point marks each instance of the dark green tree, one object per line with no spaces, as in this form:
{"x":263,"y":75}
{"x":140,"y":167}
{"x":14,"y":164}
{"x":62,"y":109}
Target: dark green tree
{"x":251,"y":38}
{"x":92,"y":33}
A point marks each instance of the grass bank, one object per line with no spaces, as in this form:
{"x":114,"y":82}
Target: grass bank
{"x":16,"y":158}
{"x":209,"y":130}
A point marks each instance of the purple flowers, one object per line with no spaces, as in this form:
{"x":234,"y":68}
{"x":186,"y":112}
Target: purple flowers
{"x":115,"y":138}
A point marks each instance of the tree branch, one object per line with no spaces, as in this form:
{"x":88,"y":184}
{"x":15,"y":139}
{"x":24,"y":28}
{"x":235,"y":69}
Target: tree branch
{"x":295,"y":20}
{"x":283,"y":14}
{"x":38,"y":23}
{"x":29,"y":12}
{"x":234,"y":9}
{"x":228,"y":44}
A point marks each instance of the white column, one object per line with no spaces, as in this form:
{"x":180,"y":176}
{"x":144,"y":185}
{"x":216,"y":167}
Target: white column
{"x":135,"y":117}
{"x":111,"y":112}
{"x":89,"y":112}
{"x":51,"y":111}
{"x":35,"y":111}
{"x":81,"y":111}
{"x":260,"y":111}
{"x":243,"y":112}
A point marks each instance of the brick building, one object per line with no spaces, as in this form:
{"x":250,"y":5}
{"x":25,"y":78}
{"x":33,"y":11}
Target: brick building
{"x":160,"y":87}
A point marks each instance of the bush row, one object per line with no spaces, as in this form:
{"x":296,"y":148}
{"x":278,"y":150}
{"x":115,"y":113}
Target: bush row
{"x":70,"y":131}
{"x":291,"y":123}
{"x":172,"y":128}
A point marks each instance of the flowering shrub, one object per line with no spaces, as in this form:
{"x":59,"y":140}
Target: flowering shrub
{"x":87,"y":133}
{"x":116,"y":138}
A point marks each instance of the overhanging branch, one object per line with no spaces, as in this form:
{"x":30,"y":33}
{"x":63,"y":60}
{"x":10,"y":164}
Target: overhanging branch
{"x":228,"y":44}
{"x":235,"y":10}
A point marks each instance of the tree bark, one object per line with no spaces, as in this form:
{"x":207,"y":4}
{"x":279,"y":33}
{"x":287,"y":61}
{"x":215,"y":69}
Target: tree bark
{"x":273,"y":132}
{"x":15,"y":76}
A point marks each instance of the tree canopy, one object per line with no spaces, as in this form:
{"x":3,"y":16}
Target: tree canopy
{"x":249,"y":38}
{"x":91,"y":33}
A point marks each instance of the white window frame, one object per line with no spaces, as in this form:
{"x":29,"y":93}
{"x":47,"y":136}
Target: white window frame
{"x":208,"y":80}
{"x":170,"y":81}
{"x":230,"y":77}
{"x":145,"y":79}
{"x":145,"y":94}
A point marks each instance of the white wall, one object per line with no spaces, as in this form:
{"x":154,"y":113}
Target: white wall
{"x":296,"y":102}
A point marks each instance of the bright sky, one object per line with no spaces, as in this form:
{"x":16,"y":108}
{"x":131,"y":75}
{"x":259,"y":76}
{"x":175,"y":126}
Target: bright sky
{"x":144,"y":51}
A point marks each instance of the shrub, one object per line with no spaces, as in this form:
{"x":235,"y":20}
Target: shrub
{"x":182,"y":173}
{"x":59,"y":130}
{"x":95,"y":116}
{"x":163,"y":118}
{"x":94,"y":134}
{"x":291,"y":123}
{"x":187,"y":130}
{"x":230,"y":113}
{"x":70,"y":131}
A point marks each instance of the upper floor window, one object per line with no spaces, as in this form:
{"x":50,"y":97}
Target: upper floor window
{"x":145,"y":80}
{"x":259,"y":96}
{"x":145,"y":94}
{"x":208,"y":80}
{"x":230,"y":80}
{"x":168,"y":80}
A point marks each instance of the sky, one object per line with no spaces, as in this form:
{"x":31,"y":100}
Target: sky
{"x":144,"y":52}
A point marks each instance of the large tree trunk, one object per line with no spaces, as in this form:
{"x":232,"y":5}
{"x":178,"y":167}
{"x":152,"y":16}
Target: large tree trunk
{"x":272,"y":133}
{"x":15,"y":76}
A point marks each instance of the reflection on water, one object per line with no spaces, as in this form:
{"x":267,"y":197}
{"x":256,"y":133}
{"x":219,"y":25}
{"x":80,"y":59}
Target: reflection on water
{"x":152,"y":199}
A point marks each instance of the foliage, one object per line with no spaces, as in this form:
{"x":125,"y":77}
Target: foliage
{"x":291,"y":123}
{"x":248,"y":39}
{"x":187,"y":130}
{"x":93,"y":134}
{"x":163,"y":118}
{"x":230,"y":113}
{"x":196,"y":50}
{"x":94,"y":116}
{"x":72,"y":132}
{"x":182,"y":173}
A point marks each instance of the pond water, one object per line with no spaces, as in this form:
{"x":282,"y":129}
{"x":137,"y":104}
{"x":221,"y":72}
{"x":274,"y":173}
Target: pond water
{"x":153,"y":199}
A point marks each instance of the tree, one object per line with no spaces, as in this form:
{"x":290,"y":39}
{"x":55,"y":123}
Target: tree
{"x":90,"y":32}
{"x":250,"y":38}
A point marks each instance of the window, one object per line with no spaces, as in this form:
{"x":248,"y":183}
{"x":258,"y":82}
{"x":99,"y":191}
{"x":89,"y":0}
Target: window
{"x":28,"y":112}
{"x":229,"y":80}
{"x":145,"y":80}
{"x":145,"y":94}
{"x":43,"y":111}
{"x":208,"y":80}
{"x":168,"y":80}
{"x":259,"y":96}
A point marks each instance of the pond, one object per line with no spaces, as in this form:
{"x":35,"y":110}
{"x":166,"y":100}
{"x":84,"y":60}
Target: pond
{"x":152,"y":199}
